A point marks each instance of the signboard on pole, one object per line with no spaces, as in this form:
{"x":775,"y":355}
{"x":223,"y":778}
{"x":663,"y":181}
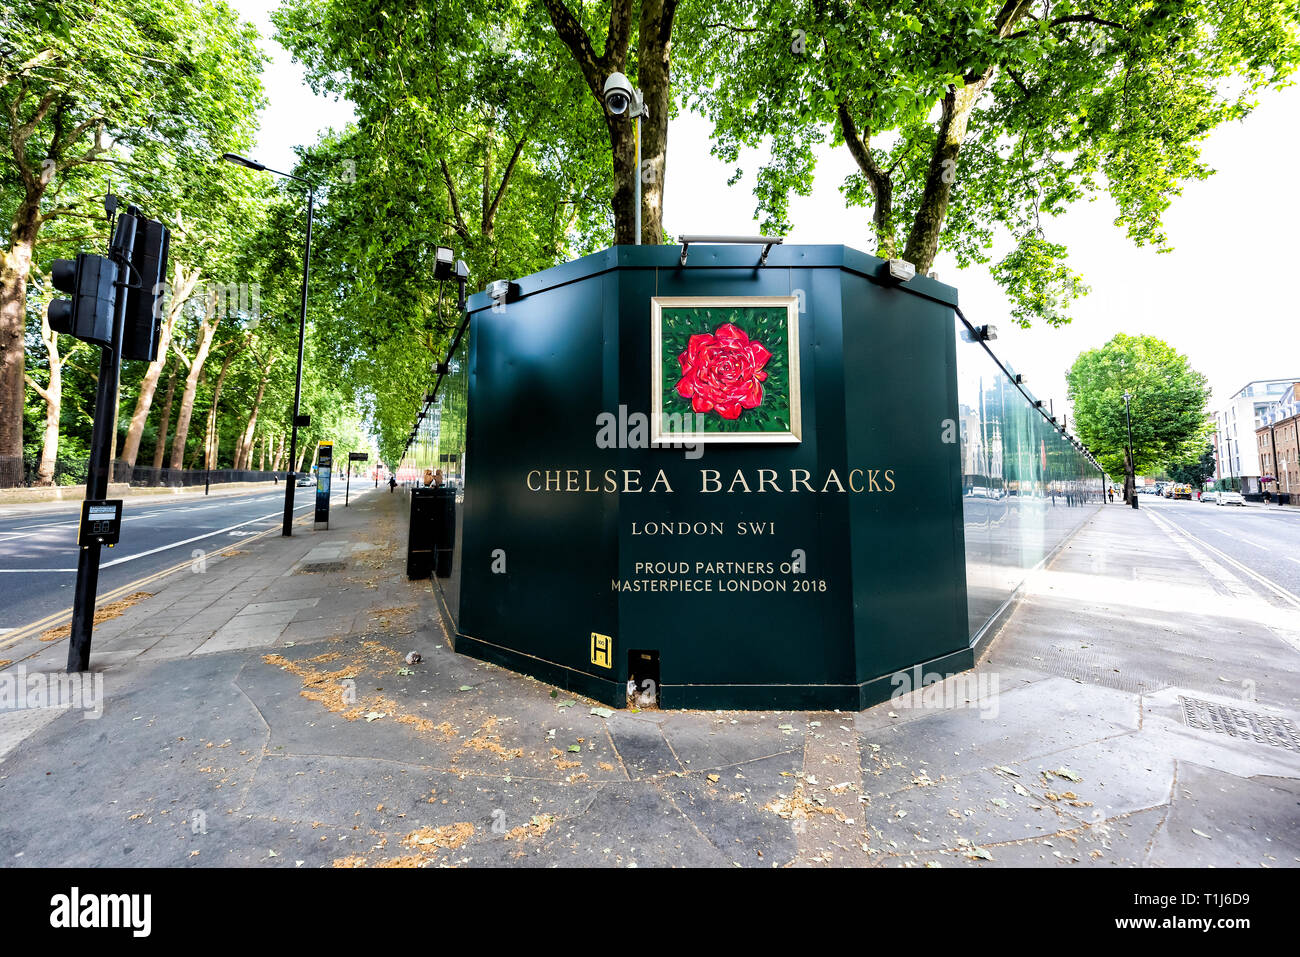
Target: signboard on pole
{"x":324,"y":471}
{"x":353,"y":457}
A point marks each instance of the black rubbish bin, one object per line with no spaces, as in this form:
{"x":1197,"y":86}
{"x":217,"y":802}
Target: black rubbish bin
{"x":444,"y":529}
{"x":420,"y":539}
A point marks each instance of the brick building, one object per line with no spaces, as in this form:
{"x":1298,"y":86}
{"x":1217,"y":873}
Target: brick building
{"x":1278,"y":438}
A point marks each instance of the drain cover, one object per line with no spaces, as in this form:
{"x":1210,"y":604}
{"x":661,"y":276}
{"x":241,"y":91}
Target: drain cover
{"x":323,"y":567}
{"x":1239,"y":723}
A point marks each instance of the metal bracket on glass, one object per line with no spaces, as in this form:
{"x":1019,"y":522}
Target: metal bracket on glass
{"x":767,"y":242}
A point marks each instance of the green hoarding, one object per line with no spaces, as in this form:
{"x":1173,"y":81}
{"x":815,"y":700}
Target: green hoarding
{"x":774,"y":486}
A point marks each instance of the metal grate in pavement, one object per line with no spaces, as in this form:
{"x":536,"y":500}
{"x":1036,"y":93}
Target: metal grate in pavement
{"x":309,"y":567}
{"x":1239,"y":723}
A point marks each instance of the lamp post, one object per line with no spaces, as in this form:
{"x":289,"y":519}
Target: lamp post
{"x":1132,"y":466}
{"x":289,"y":485}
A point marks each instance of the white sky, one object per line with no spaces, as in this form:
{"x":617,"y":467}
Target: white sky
{"x":1221,"y":297}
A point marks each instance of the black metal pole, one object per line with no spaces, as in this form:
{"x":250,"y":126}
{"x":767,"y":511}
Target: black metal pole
{"x":347,"y":489}
{"x":287,"y":527}
{"x":102,"y":441}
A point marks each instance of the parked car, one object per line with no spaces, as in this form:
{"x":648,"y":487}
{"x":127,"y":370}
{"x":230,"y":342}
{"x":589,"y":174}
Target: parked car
{"x":306,"y":480}
{"x":1230,"y":498}
{"x":1210,"y":496}
{"x":1183,"y":491}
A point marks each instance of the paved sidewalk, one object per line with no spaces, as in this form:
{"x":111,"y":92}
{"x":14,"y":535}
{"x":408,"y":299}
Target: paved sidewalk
{"x":1138,"y":708}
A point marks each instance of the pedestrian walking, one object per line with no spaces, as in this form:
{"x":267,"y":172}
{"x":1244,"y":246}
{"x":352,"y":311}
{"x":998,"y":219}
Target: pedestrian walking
{"x":1110,"y":495}
{"x":392,"y":483}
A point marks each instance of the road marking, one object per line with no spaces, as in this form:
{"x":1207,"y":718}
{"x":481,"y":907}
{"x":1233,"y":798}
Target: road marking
{"x":1290,"y":559}
{"x":1283,"y":593}
{"x":60,"y":617}
{"x":152,"y":551}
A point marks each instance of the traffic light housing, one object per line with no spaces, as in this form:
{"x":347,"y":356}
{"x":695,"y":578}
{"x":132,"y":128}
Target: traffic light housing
{"x":143,"y":325}
{"x":88,"y":315}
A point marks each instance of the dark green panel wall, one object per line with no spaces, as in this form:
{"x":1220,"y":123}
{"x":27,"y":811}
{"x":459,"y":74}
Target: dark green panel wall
{"x":879,"y":374}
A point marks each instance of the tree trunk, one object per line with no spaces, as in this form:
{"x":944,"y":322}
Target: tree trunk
{"x":14,"y":271}
{"x":210,"y":437}
{"x":595,"y":69}
{"x":206,"y":331}
{"x":882,"y":186}
{"x":182,"y":286}
{"x":1130,"y":479}
{"x":244,"y":448}
{"x":52,"y":394}
{"x":654,"y":62}
{"x":958,"y":104}
{"x":923,"y":240}
{"x":160,"y":447}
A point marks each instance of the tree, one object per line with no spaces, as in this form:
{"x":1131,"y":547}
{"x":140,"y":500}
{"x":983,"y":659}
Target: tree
{"x":967,"y":119}
{"x":84,"y":83}
{"x":471,"y":132}
{"x":654,"y":77}
{"x":1196,"y":470}
{"x":1168,"y":405}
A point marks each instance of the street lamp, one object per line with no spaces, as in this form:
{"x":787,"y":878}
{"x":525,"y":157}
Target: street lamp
{"x":1132,"y":466}
{"x":287,"y":526}
{"x":622,"y":99}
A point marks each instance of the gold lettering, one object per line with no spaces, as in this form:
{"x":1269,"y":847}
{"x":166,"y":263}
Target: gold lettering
{"x":832,"y":476}
{"x":631,"y":480}
{"x":710,"y":476}
{"x":889,"y":477}
{"x":611,"y":481}
{"x":552,"y":476}
{"x":661,"y":478}
{"x":871,"y":480}
{"x":851,"y":474}
{"x":763,"y":480}
{"x":740,"y":477}
{"x":796,"y":480}
{"x":529,"y":481}
{"x":572,"y":476}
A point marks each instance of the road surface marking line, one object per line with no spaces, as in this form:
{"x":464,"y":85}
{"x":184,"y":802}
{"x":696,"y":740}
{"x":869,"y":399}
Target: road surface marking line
{"x":1245,"y":569}
{"x":53,"y":621}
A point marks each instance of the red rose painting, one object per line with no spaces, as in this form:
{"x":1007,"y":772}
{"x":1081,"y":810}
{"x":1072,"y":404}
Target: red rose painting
{"x":723,"y":372}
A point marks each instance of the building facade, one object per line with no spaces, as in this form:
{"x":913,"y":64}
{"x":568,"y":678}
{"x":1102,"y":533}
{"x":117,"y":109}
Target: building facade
{"x":1278,"y":439}
{"x":1237,"y":425}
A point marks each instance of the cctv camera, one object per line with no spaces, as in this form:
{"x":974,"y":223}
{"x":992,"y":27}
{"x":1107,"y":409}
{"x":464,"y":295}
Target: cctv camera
{"x":618,"y":94}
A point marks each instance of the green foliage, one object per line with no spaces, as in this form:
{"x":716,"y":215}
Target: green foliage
{"x":1194,"y":471}
{"x":471,"y":132}
{"x":1168,"y":404}
{"x":972,"y":120}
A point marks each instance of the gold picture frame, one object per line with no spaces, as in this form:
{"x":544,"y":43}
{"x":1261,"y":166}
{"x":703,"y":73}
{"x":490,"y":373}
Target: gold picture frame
{"x":735,"y":362}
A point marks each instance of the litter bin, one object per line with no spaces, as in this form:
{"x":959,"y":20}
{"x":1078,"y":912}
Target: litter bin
{"x":420,"y":540}
{"x":444,"y":529}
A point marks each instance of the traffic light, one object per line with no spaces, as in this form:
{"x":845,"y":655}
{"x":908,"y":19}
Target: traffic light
{"x":88,"y":315}
{"x":140,"y":332}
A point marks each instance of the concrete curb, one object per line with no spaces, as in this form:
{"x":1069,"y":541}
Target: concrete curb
{"x":66,"y":493}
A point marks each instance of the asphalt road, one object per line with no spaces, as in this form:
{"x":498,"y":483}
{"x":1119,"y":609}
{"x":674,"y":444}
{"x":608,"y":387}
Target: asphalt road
{"x":38,"y":550}
{"x":1266,"y":541}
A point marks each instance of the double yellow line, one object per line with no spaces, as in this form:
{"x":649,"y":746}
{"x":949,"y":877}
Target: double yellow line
{"x":61,"y":617}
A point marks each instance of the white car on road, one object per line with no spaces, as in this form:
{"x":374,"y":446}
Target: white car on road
{"x":1231,"y":498}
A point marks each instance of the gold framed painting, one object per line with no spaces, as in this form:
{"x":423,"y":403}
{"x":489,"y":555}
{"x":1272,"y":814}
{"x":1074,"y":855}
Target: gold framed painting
{"x":724,"y":369}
